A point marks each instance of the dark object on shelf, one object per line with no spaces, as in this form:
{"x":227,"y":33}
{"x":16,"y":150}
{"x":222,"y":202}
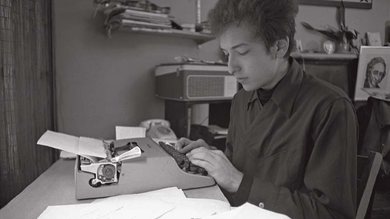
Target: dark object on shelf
{"x":176,"y":25}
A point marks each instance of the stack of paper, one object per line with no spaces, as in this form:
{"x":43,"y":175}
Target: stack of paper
{"x":163,"y":204}
{"x":168,"y":203}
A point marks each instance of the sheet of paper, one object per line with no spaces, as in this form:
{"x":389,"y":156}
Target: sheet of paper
{"x":92,"y":147}
{"x":59,"y":141}
{"x":247,"y":210}
{"x":81,"y":146}
{"x":196,"y":208}
{"x":125,"y":132}
{"x":140,"y":208}
{"x":163,"y":204}
{"x":170,"y":194}
{"x":67,"y":155}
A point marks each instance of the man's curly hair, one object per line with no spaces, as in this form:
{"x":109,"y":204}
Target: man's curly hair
{"x":271,"y":20}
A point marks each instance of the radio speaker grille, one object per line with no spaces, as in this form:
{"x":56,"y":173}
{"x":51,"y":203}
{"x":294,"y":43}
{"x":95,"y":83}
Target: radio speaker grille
{"x":205,"y":86}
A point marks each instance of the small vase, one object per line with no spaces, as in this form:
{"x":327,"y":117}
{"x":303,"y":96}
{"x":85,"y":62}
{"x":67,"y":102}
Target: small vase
{"x":343,"y":47}
{"x":329,"y":46}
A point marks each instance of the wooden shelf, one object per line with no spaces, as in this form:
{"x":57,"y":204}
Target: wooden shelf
{"x":199,"y":38}
{"x":324,"y":56}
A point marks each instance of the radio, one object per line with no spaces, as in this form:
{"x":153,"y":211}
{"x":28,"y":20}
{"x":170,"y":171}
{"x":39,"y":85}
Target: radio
{"x":186,"y":82}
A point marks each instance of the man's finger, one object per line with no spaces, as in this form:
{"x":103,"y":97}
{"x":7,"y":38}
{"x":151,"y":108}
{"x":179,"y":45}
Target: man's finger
{"x":181,"y":143}
{"x":194,"y":144}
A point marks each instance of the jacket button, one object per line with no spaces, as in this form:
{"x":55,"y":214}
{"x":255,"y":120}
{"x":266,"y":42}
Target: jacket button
{"x":261,"y":205}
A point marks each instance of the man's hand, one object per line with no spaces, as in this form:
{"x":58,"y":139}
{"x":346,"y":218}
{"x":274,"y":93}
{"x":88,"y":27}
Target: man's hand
{"x":218,"y":166}
{"x":184,"y":145}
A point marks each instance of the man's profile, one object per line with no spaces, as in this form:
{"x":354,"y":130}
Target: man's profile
{"x":376,"y":71}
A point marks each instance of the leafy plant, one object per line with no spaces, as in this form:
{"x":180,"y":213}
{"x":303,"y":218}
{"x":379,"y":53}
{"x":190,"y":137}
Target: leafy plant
{"x":340,"y":35}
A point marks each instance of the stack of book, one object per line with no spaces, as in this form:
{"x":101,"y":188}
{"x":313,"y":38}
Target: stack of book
{"x":120,"y":16}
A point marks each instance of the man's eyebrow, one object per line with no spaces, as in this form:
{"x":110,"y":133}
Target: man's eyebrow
{"x":239,"y":45}
{"x":235,"y":46}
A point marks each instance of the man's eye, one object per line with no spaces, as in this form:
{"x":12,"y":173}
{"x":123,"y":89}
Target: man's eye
{"x":225,"y":57}
{"x":242,"y":52}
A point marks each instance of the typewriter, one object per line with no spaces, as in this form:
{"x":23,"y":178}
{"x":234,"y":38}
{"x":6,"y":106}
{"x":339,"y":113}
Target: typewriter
{"x":159,"y":166}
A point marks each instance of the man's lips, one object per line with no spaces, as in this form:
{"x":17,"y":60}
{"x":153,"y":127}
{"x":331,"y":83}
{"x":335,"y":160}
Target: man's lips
{"x":241,"y":79}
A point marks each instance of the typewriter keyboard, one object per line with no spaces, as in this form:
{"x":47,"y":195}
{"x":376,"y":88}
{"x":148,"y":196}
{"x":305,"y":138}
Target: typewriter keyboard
{"x":182,"y":160}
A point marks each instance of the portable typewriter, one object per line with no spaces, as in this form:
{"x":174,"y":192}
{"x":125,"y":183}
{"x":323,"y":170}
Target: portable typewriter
{"x":159,"y":166}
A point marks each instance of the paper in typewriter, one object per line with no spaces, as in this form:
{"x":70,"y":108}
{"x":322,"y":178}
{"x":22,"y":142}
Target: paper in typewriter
{"x":78,"y":145}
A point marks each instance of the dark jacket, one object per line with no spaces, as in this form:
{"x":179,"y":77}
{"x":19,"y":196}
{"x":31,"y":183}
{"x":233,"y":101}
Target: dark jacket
{"x":298,"y":151}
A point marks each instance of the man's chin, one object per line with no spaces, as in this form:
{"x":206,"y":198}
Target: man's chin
{"x":248,"y":88}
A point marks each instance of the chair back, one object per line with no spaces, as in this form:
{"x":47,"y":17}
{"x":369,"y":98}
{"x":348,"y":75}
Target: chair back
{"x":367,"y":172}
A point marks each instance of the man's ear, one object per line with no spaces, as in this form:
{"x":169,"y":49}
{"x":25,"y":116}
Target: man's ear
{"x":280,"y":47}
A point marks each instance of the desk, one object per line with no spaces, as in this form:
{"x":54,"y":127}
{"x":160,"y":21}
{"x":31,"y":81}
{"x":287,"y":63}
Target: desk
{"x":56,"y":187}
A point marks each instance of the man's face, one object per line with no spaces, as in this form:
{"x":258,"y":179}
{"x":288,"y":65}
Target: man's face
{"x":249,"y":61}
{"x":377,"y":73}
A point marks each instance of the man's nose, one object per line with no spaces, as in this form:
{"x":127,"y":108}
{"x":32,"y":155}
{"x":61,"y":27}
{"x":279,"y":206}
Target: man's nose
{"x":233,"y":66}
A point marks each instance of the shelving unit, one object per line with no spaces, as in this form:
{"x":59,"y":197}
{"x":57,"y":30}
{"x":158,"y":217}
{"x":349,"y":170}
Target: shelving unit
{"x":142,"y":19}
{"x":199,"y":38}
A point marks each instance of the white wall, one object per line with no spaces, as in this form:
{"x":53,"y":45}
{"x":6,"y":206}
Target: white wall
{"x":105,"y":82}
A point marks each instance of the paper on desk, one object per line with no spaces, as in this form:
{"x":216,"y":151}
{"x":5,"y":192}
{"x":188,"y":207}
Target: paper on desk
{"x":152,"y":204}
{"x":196,"y":208}
{"x":141,"y":208}
{"x":248,"y":210}
{"x":182,"y":207}
{"x":72,"y":144}
{"x":163,"y":204}
{"x":170,"y":194}
{"x":125,"y":132}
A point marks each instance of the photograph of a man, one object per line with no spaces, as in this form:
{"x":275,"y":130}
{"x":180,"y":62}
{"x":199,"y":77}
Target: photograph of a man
{"x":376,"y":71}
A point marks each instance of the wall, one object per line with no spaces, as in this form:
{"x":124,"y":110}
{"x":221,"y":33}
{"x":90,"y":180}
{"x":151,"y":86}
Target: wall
{"x":363,"y":20}
{"x":105,"y":82}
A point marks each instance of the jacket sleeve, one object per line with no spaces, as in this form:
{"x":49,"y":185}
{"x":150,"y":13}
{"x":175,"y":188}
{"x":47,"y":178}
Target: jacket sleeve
{"x":329,"y":181}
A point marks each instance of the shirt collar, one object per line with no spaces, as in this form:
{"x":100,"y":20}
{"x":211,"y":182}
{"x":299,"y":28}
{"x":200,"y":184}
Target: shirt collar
{"x":286,"y":91}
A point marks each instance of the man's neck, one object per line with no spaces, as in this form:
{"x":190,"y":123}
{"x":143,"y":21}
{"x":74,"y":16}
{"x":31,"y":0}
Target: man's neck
{"x":279,"y":74}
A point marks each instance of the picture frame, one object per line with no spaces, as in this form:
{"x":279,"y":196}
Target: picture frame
{"x":362,"y":4}
{"x":373,"y":75}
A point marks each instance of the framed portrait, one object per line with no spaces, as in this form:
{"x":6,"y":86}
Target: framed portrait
{"x":373,"y":77}
{"x":363,"y":4}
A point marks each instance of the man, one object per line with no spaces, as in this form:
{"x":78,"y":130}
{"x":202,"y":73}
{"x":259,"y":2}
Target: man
{"x":376,"y":71}
{"x":291,"y":145}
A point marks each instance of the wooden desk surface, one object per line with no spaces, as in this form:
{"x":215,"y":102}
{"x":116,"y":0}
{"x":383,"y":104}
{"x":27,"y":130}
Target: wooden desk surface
{"x":56,"y":187}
